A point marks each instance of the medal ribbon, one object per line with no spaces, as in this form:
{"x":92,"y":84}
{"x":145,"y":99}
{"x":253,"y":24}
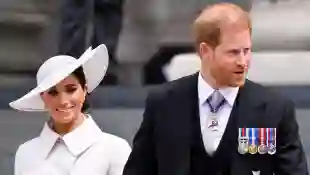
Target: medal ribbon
{"x":216,"y":101}
{"x":262,"y":135}
{"x":269,"y":139}
{"x":256,"y":136}
{"x":252,"y":136}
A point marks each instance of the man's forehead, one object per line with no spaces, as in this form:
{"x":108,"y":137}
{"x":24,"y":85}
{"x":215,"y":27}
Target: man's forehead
{"x":236,"y":38}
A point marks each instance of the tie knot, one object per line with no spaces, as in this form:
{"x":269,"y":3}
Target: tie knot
{"x":215,"y":101}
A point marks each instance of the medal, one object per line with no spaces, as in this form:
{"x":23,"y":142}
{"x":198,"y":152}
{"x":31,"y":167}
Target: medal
{"x":262,"y":148}
{"x":243,"y":141}
{"x":272,"y":141}
{"x":213,"y":122}
{"x":252,"y":147}
{"x":213,"y":119}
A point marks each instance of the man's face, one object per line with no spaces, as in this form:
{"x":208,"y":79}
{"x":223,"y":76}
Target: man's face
{"x":228,"y":62}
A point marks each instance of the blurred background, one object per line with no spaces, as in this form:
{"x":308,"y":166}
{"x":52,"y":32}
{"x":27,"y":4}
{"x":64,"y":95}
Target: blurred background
{"x":150,"y":43}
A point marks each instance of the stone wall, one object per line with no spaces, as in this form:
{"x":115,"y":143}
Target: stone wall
{"x":27,"y":32}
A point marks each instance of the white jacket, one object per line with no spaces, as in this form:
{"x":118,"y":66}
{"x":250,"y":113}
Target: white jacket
{"x":84,"y":151}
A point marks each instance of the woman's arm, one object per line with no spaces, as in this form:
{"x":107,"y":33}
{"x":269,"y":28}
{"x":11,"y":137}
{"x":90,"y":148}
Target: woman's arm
{"x":119,"y":157}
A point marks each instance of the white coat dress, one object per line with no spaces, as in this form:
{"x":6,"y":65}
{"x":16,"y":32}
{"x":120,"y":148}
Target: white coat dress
{"x":84,"y":151}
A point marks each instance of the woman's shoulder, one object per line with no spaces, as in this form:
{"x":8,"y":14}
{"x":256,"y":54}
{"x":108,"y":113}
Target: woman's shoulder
{"x":113,"y":141}
{"x":24,"y":153}
{"x":106,"y":139}
{"x":117,"y":148}
{"x":28,"y":146}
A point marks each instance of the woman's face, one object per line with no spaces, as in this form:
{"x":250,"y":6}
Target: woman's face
{"x":65,"y":100}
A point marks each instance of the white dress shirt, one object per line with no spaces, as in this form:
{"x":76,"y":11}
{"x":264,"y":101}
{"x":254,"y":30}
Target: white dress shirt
{"x":85,"y":150}
{"x":212,"y":138}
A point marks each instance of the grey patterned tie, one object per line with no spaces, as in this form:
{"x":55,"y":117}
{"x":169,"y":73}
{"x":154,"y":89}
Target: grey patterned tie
{"x":215,"y":101}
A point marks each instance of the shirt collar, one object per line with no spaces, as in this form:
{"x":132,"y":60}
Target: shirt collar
{"x":77,"y":140}
{"x":205,"y":90}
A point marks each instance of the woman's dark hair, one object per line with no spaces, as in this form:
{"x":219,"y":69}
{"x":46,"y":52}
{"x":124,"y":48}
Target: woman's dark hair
{"x":79,"y":74}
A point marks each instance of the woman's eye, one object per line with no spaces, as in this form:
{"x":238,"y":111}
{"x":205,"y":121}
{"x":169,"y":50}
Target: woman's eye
{"x":52,"y":92}
{"x":71,"y":90}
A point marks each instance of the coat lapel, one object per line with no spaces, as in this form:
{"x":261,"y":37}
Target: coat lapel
{"x":249,"y":106}
{"x":186,"y":101}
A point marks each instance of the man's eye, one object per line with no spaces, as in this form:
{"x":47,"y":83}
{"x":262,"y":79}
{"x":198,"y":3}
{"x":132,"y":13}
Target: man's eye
{"x":235,"y":51}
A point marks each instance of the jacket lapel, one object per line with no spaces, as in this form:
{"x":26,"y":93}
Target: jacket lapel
{"x":185,"y":99}
{"x":249,"y":106}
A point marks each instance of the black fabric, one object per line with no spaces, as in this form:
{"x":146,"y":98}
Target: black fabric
{"x":201,"y":163}
{"x":168,"y":142}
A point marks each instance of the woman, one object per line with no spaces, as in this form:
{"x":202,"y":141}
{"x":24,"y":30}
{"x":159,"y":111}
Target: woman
{"x":70,"y":143}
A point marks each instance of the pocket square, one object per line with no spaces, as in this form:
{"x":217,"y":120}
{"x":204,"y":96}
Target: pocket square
{"x":256,"y":172}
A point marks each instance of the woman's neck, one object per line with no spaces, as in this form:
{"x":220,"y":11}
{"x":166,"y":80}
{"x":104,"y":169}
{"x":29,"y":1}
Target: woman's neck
{"x":64,"y":128}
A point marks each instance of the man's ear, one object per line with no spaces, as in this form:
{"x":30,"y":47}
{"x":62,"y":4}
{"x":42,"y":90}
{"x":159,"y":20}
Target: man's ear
{"x":204,"y":50}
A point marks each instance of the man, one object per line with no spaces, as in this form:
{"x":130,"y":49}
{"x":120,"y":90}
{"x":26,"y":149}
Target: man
{"x":153,"y":69}
{"x":107,"y":22}
{"x":216,"y":121}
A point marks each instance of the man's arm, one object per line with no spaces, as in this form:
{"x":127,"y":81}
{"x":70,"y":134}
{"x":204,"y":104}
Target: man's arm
{"x":290,"y":156}
{"x":142,"y":160}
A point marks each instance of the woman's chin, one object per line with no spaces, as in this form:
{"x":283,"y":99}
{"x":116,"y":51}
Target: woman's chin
{"x":64,"y":117}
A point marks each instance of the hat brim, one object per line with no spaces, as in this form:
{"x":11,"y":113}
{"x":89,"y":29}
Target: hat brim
{"x":94,"y":62}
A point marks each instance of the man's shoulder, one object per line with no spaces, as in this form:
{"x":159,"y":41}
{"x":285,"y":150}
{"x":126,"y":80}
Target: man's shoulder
{"x":268,"y":93}
{"x":173,"y":87}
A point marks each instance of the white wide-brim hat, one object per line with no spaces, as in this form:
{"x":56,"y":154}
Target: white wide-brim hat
{"x":55,"y":69}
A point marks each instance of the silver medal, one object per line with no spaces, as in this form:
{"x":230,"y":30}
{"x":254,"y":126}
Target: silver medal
{"x":243,"y":146}
{"x":271,"y":149}
{"x":213,"y":122}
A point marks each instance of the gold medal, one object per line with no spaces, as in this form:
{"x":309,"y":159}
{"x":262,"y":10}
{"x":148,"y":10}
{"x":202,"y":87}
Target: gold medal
{"x":252,"y":149}
{"x":252,"y":144}
{"x":246,"y":149}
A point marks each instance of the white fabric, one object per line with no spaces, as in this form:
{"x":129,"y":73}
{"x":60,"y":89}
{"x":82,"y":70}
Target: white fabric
{"x":52,"y":71}
{"x":181,"y":65}
{"x":212,"y":138}
{"x":85,"y":150}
